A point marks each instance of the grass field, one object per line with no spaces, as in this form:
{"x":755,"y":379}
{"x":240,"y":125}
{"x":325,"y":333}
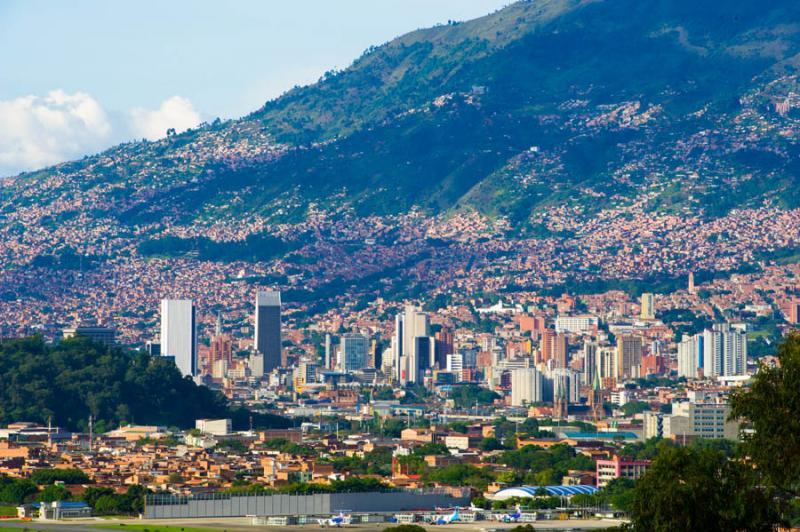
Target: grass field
{"x":8,"y":510}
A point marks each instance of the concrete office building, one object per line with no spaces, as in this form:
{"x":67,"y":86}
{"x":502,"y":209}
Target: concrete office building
{"x":268,"y":341}
{"x":215,"y":427}
{"x":576,"y":324}
{"x":527,"y":386}
{"x":618,"y":467}
{"x":179,"y":334}
{"x":101,"y":335}
{"x":455,"y":362}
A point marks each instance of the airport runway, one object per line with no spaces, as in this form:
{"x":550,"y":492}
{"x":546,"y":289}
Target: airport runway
{"x":242,"y":524}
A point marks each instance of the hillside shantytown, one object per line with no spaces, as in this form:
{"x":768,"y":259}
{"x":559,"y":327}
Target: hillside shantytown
{"x":539,"y":269}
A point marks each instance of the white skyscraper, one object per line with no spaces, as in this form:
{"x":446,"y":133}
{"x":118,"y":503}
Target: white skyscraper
{"x":689,"y":350}
{"x":179,"y":334}
{"x":527,"y":386}
{"x":414,"y":349}
{"x":724,"y":351}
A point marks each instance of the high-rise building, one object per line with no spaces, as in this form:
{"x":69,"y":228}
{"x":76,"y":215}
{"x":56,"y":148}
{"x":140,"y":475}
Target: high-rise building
{"x":374,"y":357}
{"x":527,"y":386}
{"x":328,"y":347}
{"x":691,"y":288}
{"x":724,"y":351}
{"x":607,"y":363}
{"x":179,"y":334}
{"x":444,"y":346}
{"x":220,"y":355}
{"x":568,"y":381}
{"x":689,"y":356}
{"x":793,"y":311}
{"x":423,"y":357}
{"x":560,"y":351}
{"x":268,"y":328}
{"x":629,"y":355}
{"x":590,"y":361}
{"x":410,"y":352}
{"x":547,"y":345}
{"x":355,"y":350}
{"x":648,"y":311}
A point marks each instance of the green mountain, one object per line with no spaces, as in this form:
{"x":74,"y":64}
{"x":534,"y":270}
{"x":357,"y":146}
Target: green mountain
{"x":548,"y":106}
{"x":446,"y":117}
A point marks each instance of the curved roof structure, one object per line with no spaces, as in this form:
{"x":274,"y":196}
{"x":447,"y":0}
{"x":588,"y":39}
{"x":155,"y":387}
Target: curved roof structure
{"x":530,"y":491}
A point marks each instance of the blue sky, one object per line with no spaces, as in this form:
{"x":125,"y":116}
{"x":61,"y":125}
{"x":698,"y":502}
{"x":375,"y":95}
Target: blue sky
{"x":128,"y":68}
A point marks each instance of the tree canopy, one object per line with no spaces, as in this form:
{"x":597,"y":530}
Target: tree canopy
{"x":77,"y":378}
{"x":701,"y":489}
{"x":771,"y":407}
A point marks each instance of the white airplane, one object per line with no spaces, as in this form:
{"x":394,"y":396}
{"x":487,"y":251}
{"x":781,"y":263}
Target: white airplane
{"x":335,"y":520}
{"x":446,"y":520}
{"x":509,"y":518}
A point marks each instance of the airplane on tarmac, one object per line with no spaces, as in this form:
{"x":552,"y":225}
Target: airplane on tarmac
{"x":335,"y":520}
{"x":509,"y":518}
{"x":446,"y":520}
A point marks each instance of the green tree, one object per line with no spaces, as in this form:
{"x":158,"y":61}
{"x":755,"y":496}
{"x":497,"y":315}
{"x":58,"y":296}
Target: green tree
{"x":67,"y":476}
{"x":92,"y":494}
{"x":620,"y":493}
{"x":107,"y":505}
{"x":405,"y":528}
{"x":634,"y":407}
{"x":15,"y":490}
{"x":688,"y":489}
{"x":53,"y":492}
{"x":771,"y":407}
{"x":490,"y":444}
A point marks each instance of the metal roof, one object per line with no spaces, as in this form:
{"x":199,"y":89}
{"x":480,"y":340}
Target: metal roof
{"x":530,"y":491}
{"x":600,"y":435}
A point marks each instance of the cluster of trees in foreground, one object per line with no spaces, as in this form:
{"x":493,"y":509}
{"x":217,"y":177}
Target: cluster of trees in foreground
{"x":754,"y":486}
{"x":77,"y":378}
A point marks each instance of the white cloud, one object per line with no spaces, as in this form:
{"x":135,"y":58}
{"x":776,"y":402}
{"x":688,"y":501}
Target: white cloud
{"x":176,"y":112}
{"x":37,"y":131}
